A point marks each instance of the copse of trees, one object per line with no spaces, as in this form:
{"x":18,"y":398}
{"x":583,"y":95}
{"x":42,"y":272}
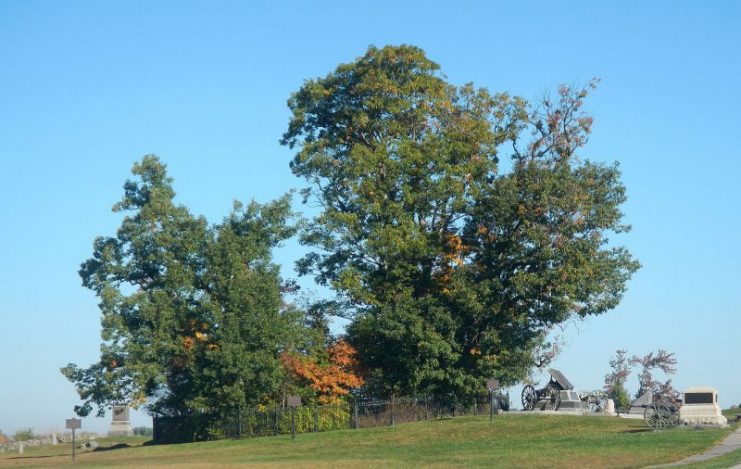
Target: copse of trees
{"x":451,"y":265}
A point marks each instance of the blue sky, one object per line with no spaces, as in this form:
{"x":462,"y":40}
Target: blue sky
{"x":87,"y":88}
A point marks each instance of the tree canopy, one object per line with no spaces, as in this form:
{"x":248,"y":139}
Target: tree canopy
{"x":452,"y":265}
{"x":192,"y":314}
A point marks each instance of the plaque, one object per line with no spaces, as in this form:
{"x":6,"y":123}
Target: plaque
{"x":74,"y":424}
{"x":699,"y":398}
{"x":492,"y":384}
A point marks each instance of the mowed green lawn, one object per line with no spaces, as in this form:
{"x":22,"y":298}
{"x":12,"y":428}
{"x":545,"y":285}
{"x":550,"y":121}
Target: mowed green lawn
{"x":510,"y":441}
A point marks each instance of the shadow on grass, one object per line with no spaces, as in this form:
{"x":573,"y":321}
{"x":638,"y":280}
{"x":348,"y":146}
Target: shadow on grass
{"x":98,"y":449}
{"x":41,"y":457}
{"x":637,"y":430}
{"x":112,"y":447}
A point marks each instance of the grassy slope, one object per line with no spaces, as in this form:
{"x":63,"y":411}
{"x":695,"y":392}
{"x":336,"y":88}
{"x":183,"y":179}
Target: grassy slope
{"x":727,"y":460}
{"x":721,"y":462}
{"x":731,"y":413}
{"x":511,"y":441}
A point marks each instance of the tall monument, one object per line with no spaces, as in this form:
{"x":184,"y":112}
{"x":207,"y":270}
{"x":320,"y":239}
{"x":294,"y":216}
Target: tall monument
{"x":120,"y":424}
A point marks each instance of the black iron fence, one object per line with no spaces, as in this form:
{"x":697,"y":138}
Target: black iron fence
{"x":271,"y":421}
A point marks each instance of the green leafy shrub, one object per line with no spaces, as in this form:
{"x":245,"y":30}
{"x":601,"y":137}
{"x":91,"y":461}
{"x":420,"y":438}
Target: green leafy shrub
{"x":143,"y":431}
{"x":24,"y":434}
{"x":620,"y":396}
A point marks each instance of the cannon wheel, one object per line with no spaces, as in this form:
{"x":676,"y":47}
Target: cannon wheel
{"x":660,"y":415}
{"x":529,"y":398}
{"x":553,"y":399}
{"x":597,"y":401}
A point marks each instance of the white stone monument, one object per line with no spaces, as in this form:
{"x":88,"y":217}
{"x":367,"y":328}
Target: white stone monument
{"x":700,"y":407}
{"x":610,"y":408}
{"x":120,"y":424}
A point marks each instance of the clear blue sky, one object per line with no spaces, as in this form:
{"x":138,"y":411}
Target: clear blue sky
{"x":87,"y":88}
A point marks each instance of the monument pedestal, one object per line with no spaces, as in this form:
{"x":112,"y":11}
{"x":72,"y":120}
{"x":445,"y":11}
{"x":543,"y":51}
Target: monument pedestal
{"x":120,"y":424}
{"x":701,"y":407}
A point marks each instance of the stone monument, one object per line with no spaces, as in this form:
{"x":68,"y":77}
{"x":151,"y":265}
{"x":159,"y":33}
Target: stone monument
{"x":700,"y":407}
{"x":120,"y":424}
{"x":610,"y":407}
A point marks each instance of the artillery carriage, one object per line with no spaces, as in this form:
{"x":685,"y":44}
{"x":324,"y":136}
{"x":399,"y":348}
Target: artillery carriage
{"x":549,"y":397}
{"x":662,"y":413}
{"x":559,"y":393}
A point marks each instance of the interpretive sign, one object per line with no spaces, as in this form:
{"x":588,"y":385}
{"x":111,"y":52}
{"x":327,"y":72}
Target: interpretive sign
{"x":74,"y":424}
{"x":293,"y":402}
{"x":492,"y":384}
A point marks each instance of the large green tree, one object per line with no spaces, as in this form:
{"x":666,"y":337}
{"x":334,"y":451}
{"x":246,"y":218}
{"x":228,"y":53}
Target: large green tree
{"x":452,"y":268}
{"x":192,"y":314}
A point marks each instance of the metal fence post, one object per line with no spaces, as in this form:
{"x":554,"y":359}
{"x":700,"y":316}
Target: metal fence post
{"x":355,"y":414}
{"x":392,"y":410}
{"x":316,"y":419}
{"x":427,"y":412}
{"x":293,"y":423}
{"x":275,"y":422}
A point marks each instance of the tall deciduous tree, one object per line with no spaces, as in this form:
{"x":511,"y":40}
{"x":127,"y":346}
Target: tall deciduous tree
{"x":452,"y":269}
{"x":192,"y":315}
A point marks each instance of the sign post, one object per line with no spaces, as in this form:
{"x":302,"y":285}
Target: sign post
{"x":492,"y":385}
{"x":293,"y":402}
{"x":73,"y":424}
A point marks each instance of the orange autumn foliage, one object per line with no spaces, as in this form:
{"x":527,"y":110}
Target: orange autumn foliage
{"x":331,"y":380}
{"x":452,"y":259}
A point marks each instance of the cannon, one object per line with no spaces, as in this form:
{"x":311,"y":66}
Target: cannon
{"x":661,"y":413}
{"x":658,"y":411}
{"x":549,"y":397}
{"x":594,"y":401}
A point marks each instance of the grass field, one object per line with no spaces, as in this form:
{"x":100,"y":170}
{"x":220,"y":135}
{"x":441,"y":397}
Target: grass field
{"x":721,"y":462}
{"x":510,"y":441}
{"x":731,"y":413}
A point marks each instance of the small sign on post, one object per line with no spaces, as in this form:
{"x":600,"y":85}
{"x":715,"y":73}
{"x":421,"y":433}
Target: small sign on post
{"x":492,"y":384}
{"x":293,"y":402}
{"x":73,"y":424}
